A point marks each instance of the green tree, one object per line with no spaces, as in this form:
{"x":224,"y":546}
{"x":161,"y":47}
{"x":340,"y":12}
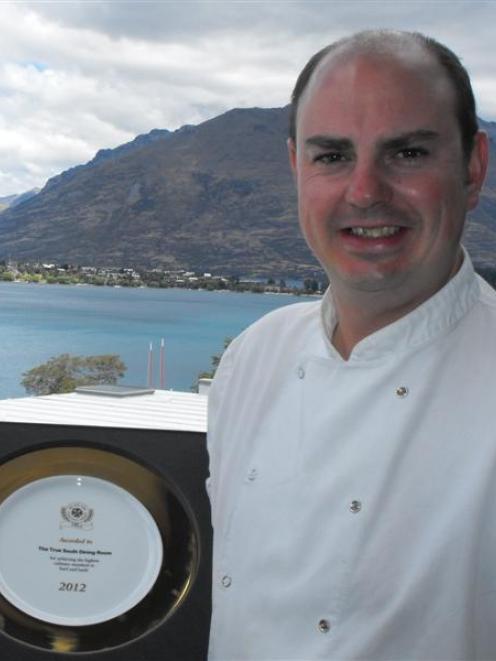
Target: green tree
{"x":7,"y":275}
{"x":65,"y":372}
{"x":310,"y":285}
{"x":215,"y":360}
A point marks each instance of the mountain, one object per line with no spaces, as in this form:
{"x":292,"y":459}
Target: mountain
{"x":480,"y":234}
{"x":14,"y":200}
{"x":218,"y":196}
{"x":6,"y":201}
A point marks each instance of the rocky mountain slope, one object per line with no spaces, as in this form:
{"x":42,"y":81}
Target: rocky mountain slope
{"x":218,"y":196}
{"x":13,"y":200}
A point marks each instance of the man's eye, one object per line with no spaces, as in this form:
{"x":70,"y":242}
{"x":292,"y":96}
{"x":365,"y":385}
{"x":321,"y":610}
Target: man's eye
{"x":411,"y":153}
{"x":330,"y":158}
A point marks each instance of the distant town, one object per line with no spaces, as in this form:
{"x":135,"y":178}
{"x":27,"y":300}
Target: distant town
{"x":69,"y":274}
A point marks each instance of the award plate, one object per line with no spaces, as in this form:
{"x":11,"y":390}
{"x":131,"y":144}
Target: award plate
{"x":99,"y":548}
{"x":76,"y":550}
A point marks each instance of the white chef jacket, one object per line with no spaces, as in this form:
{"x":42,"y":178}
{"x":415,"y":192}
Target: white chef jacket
{"x":353,"y":502}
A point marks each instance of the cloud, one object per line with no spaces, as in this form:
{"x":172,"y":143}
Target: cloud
{"x":79,"y":76}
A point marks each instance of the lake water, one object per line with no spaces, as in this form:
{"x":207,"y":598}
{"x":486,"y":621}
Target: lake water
{"x":41,"y":321}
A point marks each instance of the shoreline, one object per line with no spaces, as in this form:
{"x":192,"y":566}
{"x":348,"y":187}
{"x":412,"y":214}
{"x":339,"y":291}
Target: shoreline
{"x":244,"y":287}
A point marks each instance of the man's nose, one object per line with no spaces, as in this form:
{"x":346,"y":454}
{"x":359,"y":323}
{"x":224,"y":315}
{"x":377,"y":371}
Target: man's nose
{"x":367,"y":186}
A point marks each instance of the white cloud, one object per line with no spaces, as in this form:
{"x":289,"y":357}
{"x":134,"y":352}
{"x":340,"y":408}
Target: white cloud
{"x":80,"y":76}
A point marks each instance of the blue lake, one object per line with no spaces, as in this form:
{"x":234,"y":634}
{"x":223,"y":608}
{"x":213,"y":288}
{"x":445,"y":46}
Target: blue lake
{"x":41,"y":321}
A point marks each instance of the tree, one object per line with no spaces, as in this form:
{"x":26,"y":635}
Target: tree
{"x":65,"y":372}
{"x":310,"y":285}
{"x":215,"y":360}
{"x":7,"y":275}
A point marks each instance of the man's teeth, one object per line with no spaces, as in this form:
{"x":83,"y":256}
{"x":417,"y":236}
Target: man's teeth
{"x":374,"y":232}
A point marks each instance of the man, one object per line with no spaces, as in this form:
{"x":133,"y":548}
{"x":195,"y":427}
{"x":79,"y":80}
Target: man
{"x":353,"y":452}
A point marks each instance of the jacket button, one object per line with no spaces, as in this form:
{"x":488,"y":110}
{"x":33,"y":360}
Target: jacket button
{"x":324,"y":626}
{"x":252,"y":474}
{"x":402,"y":391}
{"x":226,"y":581}
{"x":355,"y":506}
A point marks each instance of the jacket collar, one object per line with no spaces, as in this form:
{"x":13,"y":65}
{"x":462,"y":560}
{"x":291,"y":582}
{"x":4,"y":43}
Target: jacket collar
{"x":434,"y":317}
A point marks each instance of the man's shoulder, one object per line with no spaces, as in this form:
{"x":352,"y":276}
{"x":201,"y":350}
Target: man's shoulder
{"x":487,"y":296}
{"x":293,"y":313}
{"x":485,"y":312}
{"x":295,"y":320}
{"x":270,"y":340}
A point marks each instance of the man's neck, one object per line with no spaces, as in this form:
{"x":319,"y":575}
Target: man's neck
{"x":354,"y":324}
{"x":360,"y":313}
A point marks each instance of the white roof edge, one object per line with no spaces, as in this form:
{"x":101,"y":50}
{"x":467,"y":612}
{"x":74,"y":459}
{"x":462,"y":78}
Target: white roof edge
{"x":162,"y":409}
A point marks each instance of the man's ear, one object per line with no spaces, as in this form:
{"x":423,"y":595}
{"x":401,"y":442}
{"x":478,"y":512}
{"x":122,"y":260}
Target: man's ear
{"x":292,"y":156}
{"x":477,"y":168}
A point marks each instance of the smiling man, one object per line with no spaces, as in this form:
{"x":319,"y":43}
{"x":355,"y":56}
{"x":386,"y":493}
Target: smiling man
{"x":382,"y":179}
{"x":353,"y":453}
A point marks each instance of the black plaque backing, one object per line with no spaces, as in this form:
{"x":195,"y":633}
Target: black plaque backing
{"x":180,"y":459}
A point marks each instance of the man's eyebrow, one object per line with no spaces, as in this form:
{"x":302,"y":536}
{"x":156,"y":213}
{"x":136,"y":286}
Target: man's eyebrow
{"x":341,"y":144}
{"x":410,"y":137}
{"x":329,"y":142}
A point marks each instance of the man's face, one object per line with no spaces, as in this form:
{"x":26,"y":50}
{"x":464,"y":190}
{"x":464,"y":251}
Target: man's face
{"x":383,"y":188}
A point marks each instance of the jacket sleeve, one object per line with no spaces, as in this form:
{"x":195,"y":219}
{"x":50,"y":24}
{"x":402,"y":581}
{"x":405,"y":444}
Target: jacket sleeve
{"x":217,"y":393}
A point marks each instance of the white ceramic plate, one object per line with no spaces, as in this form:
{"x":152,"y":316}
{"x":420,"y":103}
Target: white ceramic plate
{"x":76,"y":550}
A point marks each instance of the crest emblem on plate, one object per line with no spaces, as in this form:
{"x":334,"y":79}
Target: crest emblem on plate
{"x":76,"y":515}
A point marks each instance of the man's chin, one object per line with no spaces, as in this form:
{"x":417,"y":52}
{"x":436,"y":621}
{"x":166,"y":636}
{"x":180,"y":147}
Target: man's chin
{"x":371,"y":280}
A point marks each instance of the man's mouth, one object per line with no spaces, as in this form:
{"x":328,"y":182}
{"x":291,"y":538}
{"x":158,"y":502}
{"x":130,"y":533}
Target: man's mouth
{"x":374,"y":232}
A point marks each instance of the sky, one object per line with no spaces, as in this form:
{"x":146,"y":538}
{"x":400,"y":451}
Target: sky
{"x":78,"y":76}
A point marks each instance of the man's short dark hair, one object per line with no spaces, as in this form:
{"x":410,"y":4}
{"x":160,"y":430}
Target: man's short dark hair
{"x":456,"y":73}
